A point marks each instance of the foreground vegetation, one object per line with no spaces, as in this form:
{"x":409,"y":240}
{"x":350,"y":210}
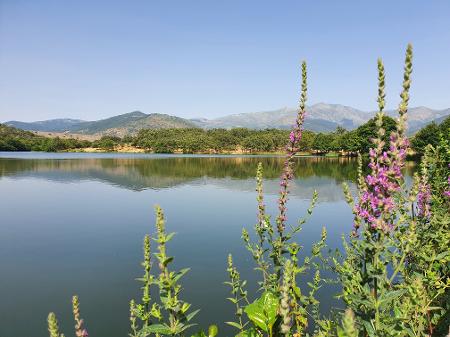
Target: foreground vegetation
{"x":394,"y":270}
{"x":238,"y":140}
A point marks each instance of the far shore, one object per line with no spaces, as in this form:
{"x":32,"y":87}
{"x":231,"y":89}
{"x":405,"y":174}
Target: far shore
{"x":133,"y":149}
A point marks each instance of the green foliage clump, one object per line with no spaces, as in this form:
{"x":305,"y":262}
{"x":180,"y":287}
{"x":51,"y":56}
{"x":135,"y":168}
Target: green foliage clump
{"x":107,"y":143}
{"x":12,"y":139}
{"x":430,"y":135}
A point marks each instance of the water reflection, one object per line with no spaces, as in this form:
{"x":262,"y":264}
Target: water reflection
{"x":74,"y":224}
{"x":158,"y":173}
{"x":235,"y":173}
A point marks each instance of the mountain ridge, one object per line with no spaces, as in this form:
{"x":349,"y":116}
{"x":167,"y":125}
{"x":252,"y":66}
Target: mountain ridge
{"x":321,"y":117}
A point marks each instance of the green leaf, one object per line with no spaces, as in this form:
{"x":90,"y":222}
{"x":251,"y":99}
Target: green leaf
{"x":185,"y":307}
{"x":248,"y":333}
{"x":263,"y":312}
{"x":369,"y":328}
{"x":169,"y":236}
{"x":231,"y":299}
{"x":181,"y":327}
{"x":191,"y":315}
{"x":180,"y":274}
{"x":236,"y":325}
{"x":391,"y":296}
{"x":160,"y":329}
{"x":167,"y":260}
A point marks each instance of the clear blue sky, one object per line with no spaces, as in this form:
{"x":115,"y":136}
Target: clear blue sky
{"x":94,"y":59}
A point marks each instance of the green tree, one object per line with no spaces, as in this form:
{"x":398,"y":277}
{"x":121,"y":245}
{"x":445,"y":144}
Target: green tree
{"x":323,"y":142}
{"x":368,"y":131}
{"x":430,"y":134}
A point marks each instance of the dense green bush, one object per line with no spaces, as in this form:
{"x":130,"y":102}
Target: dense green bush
{"x":430,"y":134}
{"x":12,"y":139}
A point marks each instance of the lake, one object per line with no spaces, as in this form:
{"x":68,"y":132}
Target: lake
{"x":73,"y":223}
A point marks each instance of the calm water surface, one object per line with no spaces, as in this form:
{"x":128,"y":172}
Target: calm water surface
{"x":74,"y":224}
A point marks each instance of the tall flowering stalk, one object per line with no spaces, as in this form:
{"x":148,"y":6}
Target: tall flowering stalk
{"x":291,"y":150}
{"x":80,"y":331}
{"x":380,"y":238}
{"x":282,"y":308}
{"x":53,"y":327}
{"x":377,"y":202}
{"x":424,"y":189}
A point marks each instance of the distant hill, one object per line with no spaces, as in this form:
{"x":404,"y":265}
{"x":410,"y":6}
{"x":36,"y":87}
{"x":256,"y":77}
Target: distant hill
{"x":420,"y":116}
{"x":121,"y":125}
{"x":320,"y":118}
{"x":51,"y":125}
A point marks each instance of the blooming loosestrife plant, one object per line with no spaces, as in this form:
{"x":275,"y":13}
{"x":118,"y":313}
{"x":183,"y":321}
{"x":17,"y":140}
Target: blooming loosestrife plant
{"x":376,"y":251}
{"x":394,"y":271}
{"x":380,"y":280}
{"x":282,"y":309}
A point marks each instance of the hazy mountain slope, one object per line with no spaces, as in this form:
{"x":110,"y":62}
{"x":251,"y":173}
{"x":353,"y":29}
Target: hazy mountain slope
{"x":121,"y":125}
{"x":152,"y":121}
{"x":108,"y":123}
{"x":50,"y":125}
{"x":419,"y":117}
{"x":442,"y":119}
{"x":320,"y":118}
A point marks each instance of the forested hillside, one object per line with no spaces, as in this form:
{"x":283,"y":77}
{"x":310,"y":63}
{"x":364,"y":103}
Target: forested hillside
{"x":13,"y":139}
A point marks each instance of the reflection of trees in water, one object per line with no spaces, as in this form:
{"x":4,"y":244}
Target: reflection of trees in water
{"x":142,"y":173}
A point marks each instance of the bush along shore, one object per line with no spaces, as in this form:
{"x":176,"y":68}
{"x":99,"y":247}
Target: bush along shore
{"x":393,"y":271}
{"x":220,"y":141}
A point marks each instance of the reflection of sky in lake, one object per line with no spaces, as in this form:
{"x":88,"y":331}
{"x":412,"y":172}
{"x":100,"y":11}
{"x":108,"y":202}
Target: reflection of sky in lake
{"x":76,"y":226}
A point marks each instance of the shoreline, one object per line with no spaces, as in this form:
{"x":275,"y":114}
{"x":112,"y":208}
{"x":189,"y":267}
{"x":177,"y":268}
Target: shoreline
{"x":132,"y":149}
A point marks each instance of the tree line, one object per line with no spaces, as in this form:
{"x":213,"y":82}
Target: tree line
{"x":274,"y":140}
{"x":196,"y":140}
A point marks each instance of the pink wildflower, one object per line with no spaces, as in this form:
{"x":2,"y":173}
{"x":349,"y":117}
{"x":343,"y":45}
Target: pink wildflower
{"x":423,"y":200}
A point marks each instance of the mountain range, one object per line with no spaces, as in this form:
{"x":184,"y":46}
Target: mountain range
{"x":321,"y":117}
